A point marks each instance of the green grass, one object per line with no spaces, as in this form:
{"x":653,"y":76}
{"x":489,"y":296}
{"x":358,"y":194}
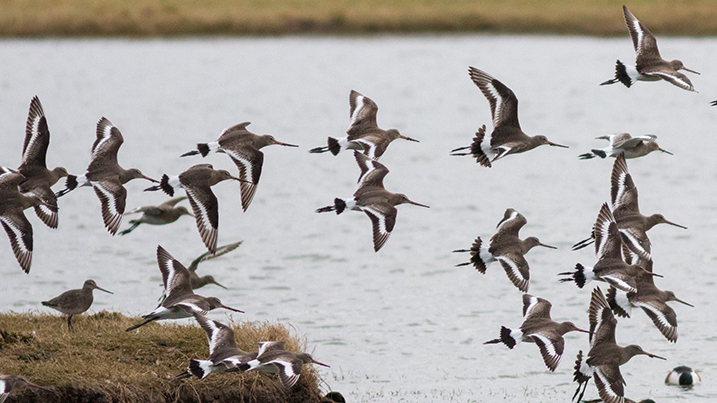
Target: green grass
{"x":33,"y":18}
{"x":100,"y":360}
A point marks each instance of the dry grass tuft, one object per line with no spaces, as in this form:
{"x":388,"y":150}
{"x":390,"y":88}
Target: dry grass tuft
{"x":228,"y":17}
{"x":101,"y":362}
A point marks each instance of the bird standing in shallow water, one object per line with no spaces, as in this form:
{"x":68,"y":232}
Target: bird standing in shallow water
{"x":181,"y":301}
{"x":373,"y":199}
{"x":273,"y":358}
{"x":605,"y":356}
{"x":242,"y":146}
{"x":106,"y":176}
{"x":364,"y":134}
{"x":507,"y":248}
{"x":540,"y":329}
{"x":163,"y":214}
{"x":649,"y":65}
{"x":39,"y":179}
{"x":623,"y":143}
{"x":74,"y":302}
{"x":197,"y":181}
{"x":507,"y":137}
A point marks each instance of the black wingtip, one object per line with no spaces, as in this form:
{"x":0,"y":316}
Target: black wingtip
{"x":166,"y":187}
{"x":193,"y":152}
{"x":70,"y":185}
{"x":203,"y":149}
{"x":506,"y":338}
{"x":195,"y":369}
{"x":586,"y":156}
{"x":621,"y":74}
{"x":319,"y":150}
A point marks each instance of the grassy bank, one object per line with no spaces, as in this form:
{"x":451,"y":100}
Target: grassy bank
{"x":101,"y":362}
{"x":32,"y":18}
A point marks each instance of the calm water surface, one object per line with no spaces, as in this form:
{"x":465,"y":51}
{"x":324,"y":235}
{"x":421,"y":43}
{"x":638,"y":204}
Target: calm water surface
{"x":403,"y":324}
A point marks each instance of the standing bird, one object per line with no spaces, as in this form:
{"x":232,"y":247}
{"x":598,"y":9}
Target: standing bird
{"x":106,"y":176}
{"x":165,"y":213}
{"x":197,"y":181}
{"x":649,"y":65}
{"x":10,"y":382}
{"x":632,"y":224}
{"x":540,"y":329}
{"x":623,"y":143}
{"x":373,"y":199}
{"x":651,"y":299}
{"x":243,"y":147}
{"x":12,"y":215}
{"x":364,"y":134}
{"x":181,"y":301}
{"x":605,"y":356}
{"x":74,"y":302}
{"x":507,"y":248}
{"x":609,"y":267}
{"x":507,"y":137}
{"x":39,"y":179}
{"x":224,"y":355}
{"x":273,"y":358}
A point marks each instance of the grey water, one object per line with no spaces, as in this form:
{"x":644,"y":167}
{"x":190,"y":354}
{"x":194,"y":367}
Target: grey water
{"x":403,"y":324}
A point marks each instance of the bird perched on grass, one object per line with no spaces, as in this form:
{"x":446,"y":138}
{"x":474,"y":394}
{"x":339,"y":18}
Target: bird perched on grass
{"x":649,"y":65}
{"x":74,"y":302}
{"x":364,"y":135}
{"x":242,"y":146}
{"x":165,"y":213}
{"x":373,"y":199}
{"x":507,"y":248}
{"x":507,"y":136}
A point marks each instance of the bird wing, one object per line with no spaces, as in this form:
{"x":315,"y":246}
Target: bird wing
{"x":512,"y":222}
{"x":48,"y":210}
{"x":608,"y":243}
{"x":505,"y":112}
{"x":234,"y":133}
{"x":636,"y":244}
{"x":632,"y":142}
{"x":551,"y":348}
{"x":362,"y":114}
{"x":174,"y":275}
{"x":622,"y":189}
{"x":19,"y":230}
{"x":516,"y":267}
{"x":206,"y":213}
{"x":536,"y":307}
{"x":222,"y":250}
{"x":173,"y":201}
{"x":382,"y":221}
{"x":664,"y":317}
{"x":249,"y":161}
{"x":113,"y":197}
{"x":602,"y":321}
{"x":218,"y":334}
{"x":266,"y":346}
{"x":109,"y":139}
{"x":643,"y":41}
{"x":37,"y":136}
{"x":372,"y":172}
{"x":610,"y":384}
{"x":675,"y":78}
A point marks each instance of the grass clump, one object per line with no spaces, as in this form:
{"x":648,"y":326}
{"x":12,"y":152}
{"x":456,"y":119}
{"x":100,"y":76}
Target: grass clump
{"x":100,"y":362}
{"x":237,"y":17}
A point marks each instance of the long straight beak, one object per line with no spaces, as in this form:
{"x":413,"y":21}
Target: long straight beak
{"x":215,"y":283}
{"x":654,"y":356}
{"x":664,"y":151}
{"x":34,"y":385}
{"x":548,"y":246}
{"x":285,"y":144}
{"x":557,"y":145}
{"x":691,"y":71}
{"x":102,"y":289}
{"x":319,"y":363}
{"x":231,"y":309}
{"x":418,"y":204}
{"x":581,"y":330}
{"x":150,"y":179}
{"x":676,"y":225}
{"x":407,"y":138}
{"x":241,"y":180}
{"x":683,"y":302}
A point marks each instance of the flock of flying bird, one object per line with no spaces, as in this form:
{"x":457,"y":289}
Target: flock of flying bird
{"x":622,"y":247}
